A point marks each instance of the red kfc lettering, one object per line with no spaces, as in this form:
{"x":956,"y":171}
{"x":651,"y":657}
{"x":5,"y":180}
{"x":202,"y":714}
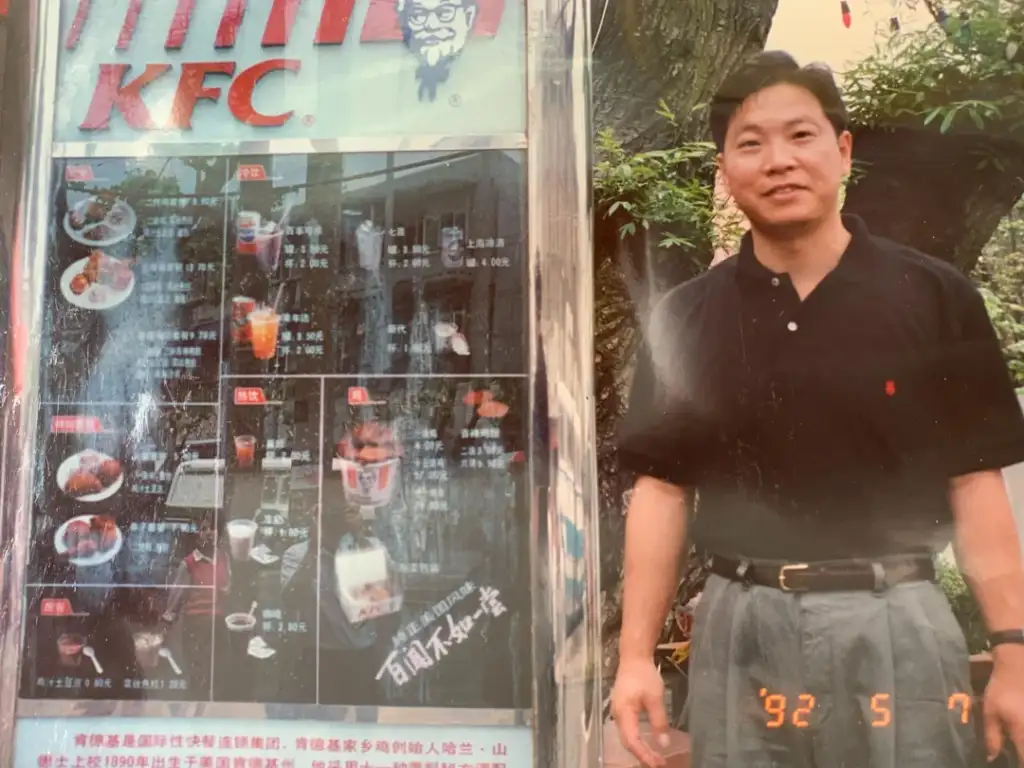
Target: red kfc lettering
{"x":131,"y":20}
{"x":334,"y":21}
{"x":192,"y":88}
{"x":227,"y":32}
{"x":240,"y":93}
{"x":279,"y":23}
{"x":111,"y":91}
{"x":180,"y":25}
{"x":78,"y":24}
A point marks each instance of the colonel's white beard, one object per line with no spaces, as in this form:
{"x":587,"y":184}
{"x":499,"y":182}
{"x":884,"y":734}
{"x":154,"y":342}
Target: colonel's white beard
{"x":434,"y":54}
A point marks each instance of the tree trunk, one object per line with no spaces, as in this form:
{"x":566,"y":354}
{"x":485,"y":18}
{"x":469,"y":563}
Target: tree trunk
{"x":678,"y":51}
{"x":942,"y":194}
{"x":645,"y":52}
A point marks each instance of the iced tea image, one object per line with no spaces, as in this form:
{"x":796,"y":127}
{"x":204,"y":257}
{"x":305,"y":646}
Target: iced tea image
{"x":245,"y":450}
{"x":263,"y":327}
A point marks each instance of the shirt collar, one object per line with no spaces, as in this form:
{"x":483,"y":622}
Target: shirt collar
{"x":853,"y":264}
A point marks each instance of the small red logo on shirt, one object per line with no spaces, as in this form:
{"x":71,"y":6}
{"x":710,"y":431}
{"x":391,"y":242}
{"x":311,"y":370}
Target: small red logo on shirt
{"x":890,"y":387}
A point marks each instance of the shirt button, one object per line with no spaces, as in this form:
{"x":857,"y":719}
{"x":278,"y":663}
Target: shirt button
{"x":776,"y":282}
{"x":792,"y":326}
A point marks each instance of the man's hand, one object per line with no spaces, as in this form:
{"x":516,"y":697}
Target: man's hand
{"x":639,"y":688}
{"x":1004,"y":701}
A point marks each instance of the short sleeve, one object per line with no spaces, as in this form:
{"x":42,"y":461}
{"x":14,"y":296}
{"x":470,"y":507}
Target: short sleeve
{"x":660,"y":436}
{"x":982,"y":417}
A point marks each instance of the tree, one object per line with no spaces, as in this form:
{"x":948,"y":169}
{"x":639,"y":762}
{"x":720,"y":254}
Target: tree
{"x":938,"y":120}
{"x":938,"y":105}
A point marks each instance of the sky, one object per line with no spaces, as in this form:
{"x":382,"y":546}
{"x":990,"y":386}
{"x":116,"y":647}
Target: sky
{"x":812,"y":30}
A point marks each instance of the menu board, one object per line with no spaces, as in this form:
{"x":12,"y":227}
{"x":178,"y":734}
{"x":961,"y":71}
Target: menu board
{"x":281,"y":448}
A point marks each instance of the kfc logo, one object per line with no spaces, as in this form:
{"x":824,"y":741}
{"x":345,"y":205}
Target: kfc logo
{"x":435,"y":31}
{"x":367,"y":481}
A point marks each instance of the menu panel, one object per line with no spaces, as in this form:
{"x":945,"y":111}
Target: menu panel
{"x":266,"y":642}
{"x":424,"y":537}
{"x":120,"y":491}
{"x":134,"y":281}
{"x":400,"y":264}
{"x":111,"y":643}
{"x":281,"y":453}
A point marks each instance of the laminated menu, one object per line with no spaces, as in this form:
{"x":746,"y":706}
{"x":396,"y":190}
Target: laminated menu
{"x":281,"y":448}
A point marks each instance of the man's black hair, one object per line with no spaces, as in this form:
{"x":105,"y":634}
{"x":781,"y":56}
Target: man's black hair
{"x":775,"y":68}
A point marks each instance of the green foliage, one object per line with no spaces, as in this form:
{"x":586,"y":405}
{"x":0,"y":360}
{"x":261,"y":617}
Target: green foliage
{"x":672,"y":188}
{"x":964,"y":606}
{"x":965,"y":75}
{"x":1000,"y":277}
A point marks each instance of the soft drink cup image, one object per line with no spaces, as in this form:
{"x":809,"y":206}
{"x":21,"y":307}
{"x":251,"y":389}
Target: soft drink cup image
{"x":245,"y":450}
{"x":147,"y":649}
{"x":247,"y":226}
{"x":241,"y":535}
{"x":263,"y":326}
{"x":268,"y":246}
{"x":241,"y":308}
{"x":70,"y":649}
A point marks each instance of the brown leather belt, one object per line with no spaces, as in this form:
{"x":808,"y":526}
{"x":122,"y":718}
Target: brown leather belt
{"x":828,"y":576}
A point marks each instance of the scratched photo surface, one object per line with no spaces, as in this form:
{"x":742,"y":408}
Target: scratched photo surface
{"x":281,"y":452}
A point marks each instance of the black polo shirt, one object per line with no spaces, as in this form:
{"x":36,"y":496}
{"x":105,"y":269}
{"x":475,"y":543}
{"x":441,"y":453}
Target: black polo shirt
{"x":826,"y":428}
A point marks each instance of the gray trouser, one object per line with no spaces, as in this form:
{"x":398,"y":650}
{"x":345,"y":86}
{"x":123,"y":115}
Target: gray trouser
{"x":829,"y":680}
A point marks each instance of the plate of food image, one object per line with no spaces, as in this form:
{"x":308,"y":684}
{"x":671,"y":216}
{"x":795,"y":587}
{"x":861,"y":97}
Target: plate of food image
{"x":90,"y":476}
{"x":98,"y":282}
{"x":100,"y":221}
{"x":89,"y":540}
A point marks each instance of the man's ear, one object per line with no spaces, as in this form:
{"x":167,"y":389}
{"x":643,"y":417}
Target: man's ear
{"x":846,"y":151}
{"x":470,"y":16}
{"x":721,"y":183}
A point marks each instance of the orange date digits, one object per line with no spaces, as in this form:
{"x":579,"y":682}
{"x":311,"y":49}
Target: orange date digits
{"x":880,"y":708}
{"x":963,"y":701}
{"x":801,"y":713}
{"x":774,"y":705}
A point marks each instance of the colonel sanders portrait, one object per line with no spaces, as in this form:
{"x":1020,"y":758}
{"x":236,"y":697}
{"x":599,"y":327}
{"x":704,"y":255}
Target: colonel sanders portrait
{"x":436,"y":31}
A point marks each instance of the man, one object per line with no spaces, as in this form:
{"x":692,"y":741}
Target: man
{"x":208,"y":567}
{"x":436,"y":31}
{"x":837,"y":407}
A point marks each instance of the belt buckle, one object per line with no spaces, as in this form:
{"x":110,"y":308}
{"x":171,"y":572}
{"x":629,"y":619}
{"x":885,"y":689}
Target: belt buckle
{"x":786,"y":569}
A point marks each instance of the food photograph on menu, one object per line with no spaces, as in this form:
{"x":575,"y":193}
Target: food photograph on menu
{"x":410,"y":263}
{"x":113,"y":643}
{"x":423,"y":543}
{"x":271,"y":498}
{"x":120,"y":491}
{"x":134,"y":280}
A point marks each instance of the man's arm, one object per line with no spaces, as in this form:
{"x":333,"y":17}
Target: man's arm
{"x":988,"y":549}
{"x":655,"y":541}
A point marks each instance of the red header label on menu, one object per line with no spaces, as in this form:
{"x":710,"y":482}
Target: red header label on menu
{"x":76,"y":425}
{"x":250,"y":396}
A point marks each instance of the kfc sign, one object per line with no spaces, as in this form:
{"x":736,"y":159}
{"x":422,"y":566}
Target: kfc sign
{"x":434,"y":31}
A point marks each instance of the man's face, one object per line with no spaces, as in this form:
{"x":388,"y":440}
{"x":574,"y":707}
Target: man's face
{"x":782,"y":161}
{"x":437,"y":29}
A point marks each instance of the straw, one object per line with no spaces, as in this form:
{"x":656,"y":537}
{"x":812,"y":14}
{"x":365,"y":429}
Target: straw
{"x":285,"y":213}
{"x":277,"y":299}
